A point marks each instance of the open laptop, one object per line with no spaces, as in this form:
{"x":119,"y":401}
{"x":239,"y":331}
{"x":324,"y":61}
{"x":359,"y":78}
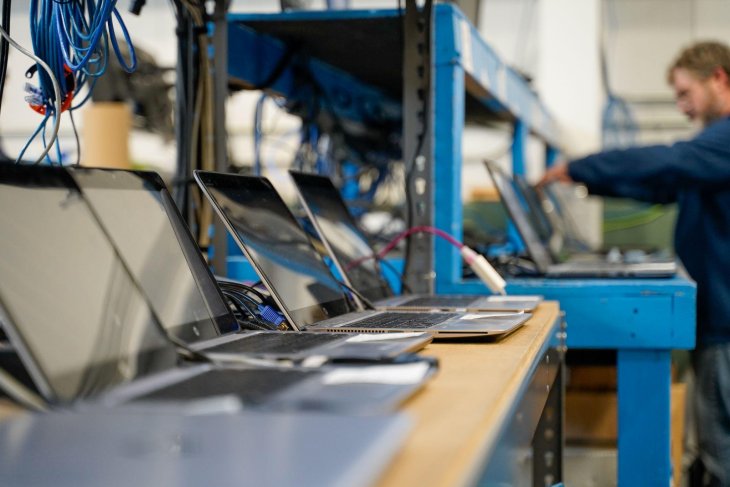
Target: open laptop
{"x":308,"y":294}
{"x":88,"y":336}
{"x":118,"y":448}
{"x":540,"y":252}
{"x":141,"y":218}
{"x":356,"y":262}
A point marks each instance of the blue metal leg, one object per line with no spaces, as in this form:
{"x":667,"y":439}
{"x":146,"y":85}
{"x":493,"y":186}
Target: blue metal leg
{"x":643,"y":418}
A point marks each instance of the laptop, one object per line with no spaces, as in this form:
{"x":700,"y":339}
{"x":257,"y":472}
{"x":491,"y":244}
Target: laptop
{"x":355,"y":259}
{"x":141,"y":218}
{"x":119,"y":448}
{"x":88,"y":336}
{"x":307,"y":293}
{"x":539,"y":251}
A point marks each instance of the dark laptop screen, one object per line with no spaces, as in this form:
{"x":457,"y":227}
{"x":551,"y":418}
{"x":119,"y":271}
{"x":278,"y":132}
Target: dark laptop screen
{"x":68,"y":301}
{"x":351,"y":250}
{"x":510,"y":199}
{"x":278,"y":247}
{"x":142,"y":220}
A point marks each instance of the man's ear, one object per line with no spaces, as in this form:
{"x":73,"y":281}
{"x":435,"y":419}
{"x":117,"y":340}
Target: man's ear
{"x":721,"y":76}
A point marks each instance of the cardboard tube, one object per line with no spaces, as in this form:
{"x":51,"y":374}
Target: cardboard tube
{"x":105,"y":137}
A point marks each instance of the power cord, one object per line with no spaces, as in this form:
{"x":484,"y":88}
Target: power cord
{"x":365,"y":301}
{"x":477,"y":262}
{"x":57,"y":100}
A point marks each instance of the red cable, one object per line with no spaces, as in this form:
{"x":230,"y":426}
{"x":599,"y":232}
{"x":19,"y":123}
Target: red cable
{"x":391,"y":245}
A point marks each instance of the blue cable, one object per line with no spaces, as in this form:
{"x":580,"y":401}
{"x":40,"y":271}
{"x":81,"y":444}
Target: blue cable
{"x":32,"y":137}
{"x":72,"y":37}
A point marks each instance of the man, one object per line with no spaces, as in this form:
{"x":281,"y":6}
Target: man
{"x":696,"y":175}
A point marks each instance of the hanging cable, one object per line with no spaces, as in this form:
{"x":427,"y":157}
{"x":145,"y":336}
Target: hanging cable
{"x":4,"y":47}
{"x":72,"y":38}
{"x":57,"y":99}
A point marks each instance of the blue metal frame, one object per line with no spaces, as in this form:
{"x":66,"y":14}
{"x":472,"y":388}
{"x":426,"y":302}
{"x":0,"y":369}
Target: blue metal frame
{"x":643,"y":319}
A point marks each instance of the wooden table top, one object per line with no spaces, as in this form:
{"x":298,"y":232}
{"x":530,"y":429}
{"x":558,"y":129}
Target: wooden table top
{"x":459,"y":413}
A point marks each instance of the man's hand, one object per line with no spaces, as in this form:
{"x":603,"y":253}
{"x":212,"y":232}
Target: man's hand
{"x":557,"y":172}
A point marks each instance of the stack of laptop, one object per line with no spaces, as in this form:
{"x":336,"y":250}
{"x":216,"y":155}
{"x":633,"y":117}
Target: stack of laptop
{"x":355,"y":259}
{"x":311,"y":298}
{"x":79,"y":317}
{"x":546,"y":250}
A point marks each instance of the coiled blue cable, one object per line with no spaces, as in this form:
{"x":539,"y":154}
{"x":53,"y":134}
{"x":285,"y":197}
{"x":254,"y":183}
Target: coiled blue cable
{"x":72,"y":37}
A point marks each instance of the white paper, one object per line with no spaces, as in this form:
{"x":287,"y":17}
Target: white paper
{"x":380,"y":337}
{"x":379,"y":374}
{"x":477,"y":316}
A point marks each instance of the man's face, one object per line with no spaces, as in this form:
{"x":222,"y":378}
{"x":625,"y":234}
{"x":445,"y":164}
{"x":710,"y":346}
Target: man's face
{"x":695,"y":97}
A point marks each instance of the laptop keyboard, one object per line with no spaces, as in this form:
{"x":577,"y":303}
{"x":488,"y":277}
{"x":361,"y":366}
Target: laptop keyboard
{"x":276,"y":343}
{"x":455,"y":301}
{"x":402,"y":320}
{"x":251,"y":386}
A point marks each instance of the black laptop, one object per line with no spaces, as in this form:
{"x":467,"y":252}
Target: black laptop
{"x":88,"y":335}
{"x":539,"y":250}
{"x":356,"y":262}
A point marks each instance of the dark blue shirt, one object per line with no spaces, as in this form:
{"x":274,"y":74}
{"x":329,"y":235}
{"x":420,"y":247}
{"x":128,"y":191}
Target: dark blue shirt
{"x":696,"y":175}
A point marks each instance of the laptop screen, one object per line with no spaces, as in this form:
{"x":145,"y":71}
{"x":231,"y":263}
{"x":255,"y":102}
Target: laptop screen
{"x":509,"y":195}
{"x":279,"y":249}
{"x":352,"y":252}
{"x":77,"y":318}
{"x":140,"y":217}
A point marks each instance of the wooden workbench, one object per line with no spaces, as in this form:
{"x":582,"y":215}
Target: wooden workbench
{"x":463,"y":411}
{"x":463,"y":414}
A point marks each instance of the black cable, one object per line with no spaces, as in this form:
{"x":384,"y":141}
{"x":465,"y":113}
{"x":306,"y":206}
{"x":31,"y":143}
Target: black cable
{"x":245,"y":301}
{"x":4,"y":47}
{"x":403,"y":285}
{"x":276,"y":72}
{"x":368,"y":304}
{"x":236,"y":285}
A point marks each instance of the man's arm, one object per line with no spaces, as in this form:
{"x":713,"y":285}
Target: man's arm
{"x":703,"y":162}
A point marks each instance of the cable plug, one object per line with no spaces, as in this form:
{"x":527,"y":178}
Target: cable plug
{"x":484,"y":270}
{"x":271,"y":315}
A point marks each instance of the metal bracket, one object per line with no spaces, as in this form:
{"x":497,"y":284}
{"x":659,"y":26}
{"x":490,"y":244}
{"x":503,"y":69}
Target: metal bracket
{"x":418,"y":142}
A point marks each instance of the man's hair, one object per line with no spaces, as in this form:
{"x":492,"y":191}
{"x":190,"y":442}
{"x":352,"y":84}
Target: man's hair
{"x":702,"y":59}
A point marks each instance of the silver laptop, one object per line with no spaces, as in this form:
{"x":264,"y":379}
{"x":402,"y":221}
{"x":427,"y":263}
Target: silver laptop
{"x":355,"y":259}
{"x":141,"y":218}
{"x":120,"y":448}
{"x":304,"y":288}
{"x":88,"y":336}
{"x":539,"y":251}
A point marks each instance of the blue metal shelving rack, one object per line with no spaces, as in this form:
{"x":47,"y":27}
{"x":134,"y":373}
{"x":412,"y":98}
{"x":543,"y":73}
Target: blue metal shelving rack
{"x":642,"y":319}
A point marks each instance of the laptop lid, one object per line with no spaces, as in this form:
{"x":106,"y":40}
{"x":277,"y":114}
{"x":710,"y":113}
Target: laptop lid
{"x":345,"y":242}
{"x":510,"y":199}
{"x":140,"y":216}
{"x":555,"y":198}
{"x":278,"y":248}
{"x":73,"y":312}
{"x":119,"y":448}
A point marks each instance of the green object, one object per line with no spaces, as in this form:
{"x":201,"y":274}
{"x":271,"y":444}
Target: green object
{"x":630,"y":223}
